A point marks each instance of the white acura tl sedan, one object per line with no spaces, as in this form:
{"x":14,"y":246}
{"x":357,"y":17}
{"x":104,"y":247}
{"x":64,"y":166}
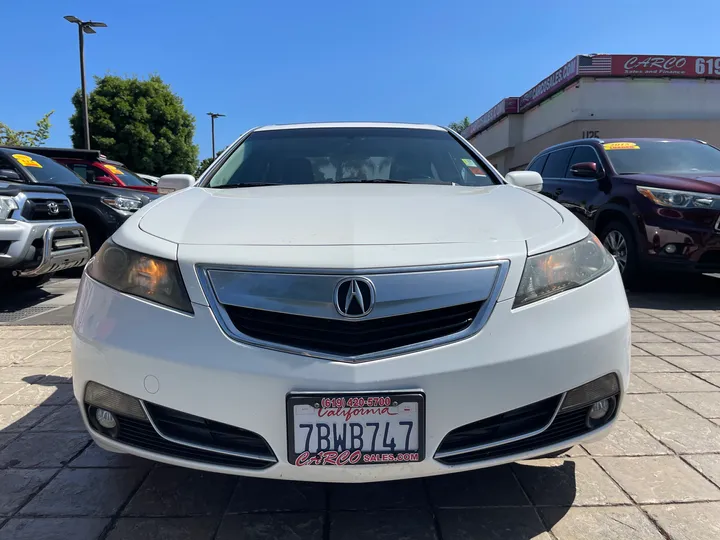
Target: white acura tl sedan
{"x":350,"y":303}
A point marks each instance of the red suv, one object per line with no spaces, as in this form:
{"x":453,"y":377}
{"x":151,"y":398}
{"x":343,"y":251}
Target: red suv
{"x":95,"y":168}
{"x":654,"y":203}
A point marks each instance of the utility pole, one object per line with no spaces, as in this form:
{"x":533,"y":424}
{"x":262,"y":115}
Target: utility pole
{"x":84,"y":27}
{"x":213,"y":116}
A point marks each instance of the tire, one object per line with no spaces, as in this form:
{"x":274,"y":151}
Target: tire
{"x":619,"y":240}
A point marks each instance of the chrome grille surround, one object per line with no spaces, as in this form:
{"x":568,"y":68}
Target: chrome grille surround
{"x":309,"y":292}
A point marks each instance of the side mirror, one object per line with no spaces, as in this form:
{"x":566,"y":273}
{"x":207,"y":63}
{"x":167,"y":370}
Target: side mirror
{"x":9,"y":174}
{"x":586,"y":170}
{"x":106,"y":180}
{"x":527,"y":179}
{"x":174,"y":182}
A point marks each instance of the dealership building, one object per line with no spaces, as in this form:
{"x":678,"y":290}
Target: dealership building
{"x":604,"y":96}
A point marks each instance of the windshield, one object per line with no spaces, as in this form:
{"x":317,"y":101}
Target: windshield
{"x":663,"y":157}
{"x":45,"y":170}
{"x":128,"y":178}
{"x":339,"y":155}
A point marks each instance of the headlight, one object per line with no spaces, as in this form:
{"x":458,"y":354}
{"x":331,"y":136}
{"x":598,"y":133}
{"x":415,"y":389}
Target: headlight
{"x":122,"y":203}
{"x":679,"y":199}
{"x":563,"y":269}
{"x":7,"y":206}
{"x":152,"y":278}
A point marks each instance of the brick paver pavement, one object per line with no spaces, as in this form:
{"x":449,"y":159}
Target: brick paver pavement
{"x":656,"y":476}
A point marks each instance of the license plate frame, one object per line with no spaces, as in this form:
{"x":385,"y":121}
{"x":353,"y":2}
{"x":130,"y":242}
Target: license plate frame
{"x":313,"y":398}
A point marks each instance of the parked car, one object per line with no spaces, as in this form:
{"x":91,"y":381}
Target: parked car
{"x":101,"y":209}
{"x":654,"y":203}
{"x":152,"y":180}
{"x":93,"y":167}
{"x":350,"y":294}
{"x":38,"y":234}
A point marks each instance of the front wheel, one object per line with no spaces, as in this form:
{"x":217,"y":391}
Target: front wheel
{"x":619,"y":241}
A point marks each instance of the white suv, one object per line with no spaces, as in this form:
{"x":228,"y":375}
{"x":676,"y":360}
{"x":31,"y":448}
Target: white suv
{"x":350,"y":303}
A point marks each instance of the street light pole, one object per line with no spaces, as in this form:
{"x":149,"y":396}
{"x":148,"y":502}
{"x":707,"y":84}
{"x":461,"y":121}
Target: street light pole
{"x":84,"y":27}
{"x":213,"y":116}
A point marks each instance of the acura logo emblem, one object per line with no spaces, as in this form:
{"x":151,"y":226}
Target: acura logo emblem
{"x":53,"y":208}
{"x":354,"y":297}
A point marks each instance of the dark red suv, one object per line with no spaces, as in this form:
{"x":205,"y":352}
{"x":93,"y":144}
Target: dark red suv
{"x":654,"y":203}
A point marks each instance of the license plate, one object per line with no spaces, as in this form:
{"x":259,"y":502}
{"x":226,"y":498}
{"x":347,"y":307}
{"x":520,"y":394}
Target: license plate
{"x":356,"y":429}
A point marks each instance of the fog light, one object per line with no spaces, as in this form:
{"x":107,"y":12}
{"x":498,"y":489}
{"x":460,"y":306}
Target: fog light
{"x":105,"y":418}
{"x":106,"y":398}
{"x":592,"y":392}
{"x":670,"y":248}
{"x":600,"y":412}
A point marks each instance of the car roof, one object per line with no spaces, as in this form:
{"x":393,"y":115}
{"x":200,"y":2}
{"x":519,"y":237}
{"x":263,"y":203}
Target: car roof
{"x":598,"y":142}
{"x":276,"y":127}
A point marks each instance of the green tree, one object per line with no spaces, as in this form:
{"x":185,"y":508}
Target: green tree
{"x":141,"y":123}
{"x":35,"y":137}
{"x":205,"y":163}
{"x":459,"y":127}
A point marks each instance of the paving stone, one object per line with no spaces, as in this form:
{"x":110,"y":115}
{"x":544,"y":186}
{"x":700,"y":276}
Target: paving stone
{"x":56,"y":333}
{"x":660,"y":327}
{"x":698,"y":521}
{"x":640,"y":386}
{"x":37,"y":394}
{"x":10,"y":388}
{"x":86,"y":492}
{"x":67,"y":418}
{"x":677,"y":427}
{"x":677,"y":382}
{"x":647,"y":337}
{"x":638,"y":352}
{"x":17,"y":418}
{"x":185,"y":528}
{"x":18,"y":485}
{"x":260,"y":495}
{"x":377,"y":496}
{"x":28,"y":346}
{"x":53,"y":529}
{"x":652,"y":364}
{"x":707,"y":464}
{"x":675,"y":317}
{"x":491,"y":524}
{"x":686,"y":337}
{"x":64,"y":372}
{"x":659,"y":479}
{"x":7,"y":438}
{"x":668,"y":349}
{"x":712,"y":378}
{"x":17,"y":332}
{"x":577,"y":482}
{"x":707,"y":348}
{"x":281,"y":526}
{"x":94,"y":456}
{"x":696,"y":326}
{"x":626,"y":439}
{"x":470,"y":489}
{"x":695,"y":363}
{"x":42,"y":449}
{"x":713,"y":335}
{"x":600,"y":523}
{"x":176,"y":491}
{"x":382,"y":525}
{"x":706,"y":404}
{"x":59,"y":347}
{"x":47,"y":359}
{"x":8,"y":358}
{"x":21,"y":374}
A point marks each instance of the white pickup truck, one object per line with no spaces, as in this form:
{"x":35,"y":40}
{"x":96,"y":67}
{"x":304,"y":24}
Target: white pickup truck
{"x":38,"y":235}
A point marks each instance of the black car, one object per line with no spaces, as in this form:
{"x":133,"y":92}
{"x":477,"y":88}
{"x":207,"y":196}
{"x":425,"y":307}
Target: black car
{"x":101,"y":209}
{"x":654,"y":203}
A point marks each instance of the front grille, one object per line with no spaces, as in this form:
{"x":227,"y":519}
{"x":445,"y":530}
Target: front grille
{"x":567,"y":425}
{"x":352,"y":338}
{"x":502,"y":426}
{"x":188,"y":427}
{"x":37,"y":210}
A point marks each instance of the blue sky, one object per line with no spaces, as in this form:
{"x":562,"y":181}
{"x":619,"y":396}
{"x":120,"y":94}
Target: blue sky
{"x":288,"y":61}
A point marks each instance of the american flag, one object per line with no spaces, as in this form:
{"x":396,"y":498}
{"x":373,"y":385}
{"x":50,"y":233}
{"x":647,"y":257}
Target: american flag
{"x":595,"y":65}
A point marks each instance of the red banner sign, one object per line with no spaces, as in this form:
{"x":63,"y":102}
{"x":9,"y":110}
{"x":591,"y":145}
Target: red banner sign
{"x":550,"y":85}
{"x":665,"y":66}
{"x":505,"y":107}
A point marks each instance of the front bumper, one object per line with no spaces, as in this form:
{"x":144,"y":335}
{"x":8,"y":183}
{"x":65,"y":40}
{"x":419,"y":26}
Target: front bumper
{"x":187,"y":364}
{"x":36,"y":248}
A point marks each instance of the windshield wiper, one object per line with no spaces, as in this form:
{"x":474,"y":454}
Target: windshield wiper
{"x":370,"y":181}
{"x":230,"y":186}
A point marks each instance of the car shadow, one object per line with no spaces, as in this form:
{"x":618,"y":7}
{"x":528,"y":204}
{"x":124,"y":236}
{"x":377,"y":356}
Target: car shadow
{"x":675,"y":292}
{"x":15,"y":298}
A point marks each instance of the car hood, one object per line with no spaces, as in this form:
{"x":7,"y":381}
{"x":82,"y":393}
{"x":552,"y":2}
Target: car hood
{"x":349,"y":215}
{"x":703,"y":183}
